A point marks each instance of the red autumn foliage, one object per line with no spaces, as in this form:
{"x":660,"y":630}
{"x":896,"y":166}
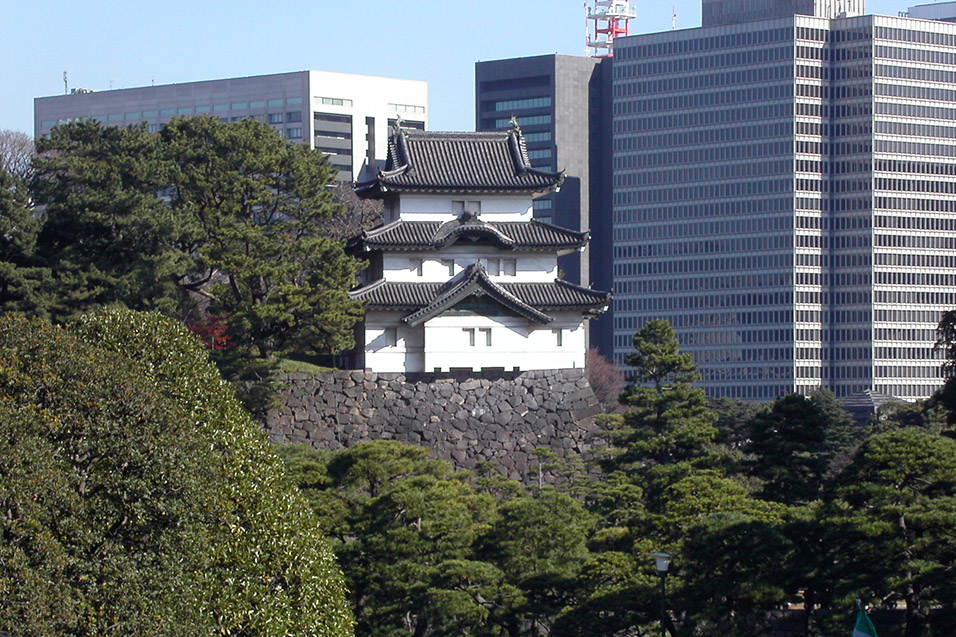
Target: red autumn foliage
{"x":606,"y":380}
{"x":211,"y":331}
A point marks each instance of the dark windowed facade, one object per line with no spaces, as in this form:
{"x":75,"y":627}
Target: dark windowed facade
{"x":562,"y":105}
{"x":333,"y":135}
{"x":784,"y":193}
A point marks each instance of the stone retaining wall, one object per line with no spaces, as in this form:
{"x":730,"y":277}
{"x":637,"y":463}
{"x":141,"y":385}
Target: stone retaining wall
{"x":500,"y":418}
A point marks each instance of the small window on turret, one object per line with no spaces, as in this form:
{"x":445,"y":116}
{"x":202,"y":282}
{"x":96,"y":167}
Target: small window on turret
{"x":461,"y":207}
{"x":509,"y":267}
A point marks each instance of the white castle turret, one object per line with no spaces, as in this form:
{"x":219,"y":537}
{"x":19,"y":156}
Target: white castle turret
{"x":460,"y":276}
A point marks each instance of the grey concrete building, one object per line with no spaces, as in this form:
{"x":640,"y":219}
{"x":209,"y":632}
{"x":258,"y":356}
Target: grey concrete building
{"x":562,"y":104}
{"x":945,"y":11}
{"x":785,"y":195}
{"x":346,"y":116}
{"x":718,"y":12}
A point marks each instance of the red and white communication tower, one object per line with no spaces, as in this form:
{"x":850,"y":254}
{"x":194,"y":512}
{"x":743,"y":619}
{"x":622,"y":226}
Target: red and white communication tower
{"x":607,"y":19}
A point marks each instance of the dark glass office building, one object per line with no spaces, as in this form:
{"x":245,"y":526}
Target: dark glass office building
{"x":562,"y":104}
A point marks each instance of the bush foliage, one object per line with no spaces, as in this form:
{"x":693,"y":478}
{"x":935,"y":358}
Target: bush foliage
{"x":139,"y":498}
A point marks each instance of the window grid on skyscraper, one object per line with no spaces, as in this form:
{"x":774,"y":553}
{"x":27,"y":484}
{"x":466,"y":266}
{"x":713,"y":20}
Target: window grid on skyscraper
{"x":784,"y":193}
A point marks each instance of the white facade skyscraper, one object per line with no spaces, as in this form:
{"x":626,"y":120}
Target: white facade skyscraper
{"x":785,"y":195}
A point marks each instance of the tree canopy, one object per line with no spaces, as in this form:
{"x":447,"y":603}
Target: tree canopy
{"x":16,"y":152}
{"x":202,"y":221}
{"x":138,"y":497}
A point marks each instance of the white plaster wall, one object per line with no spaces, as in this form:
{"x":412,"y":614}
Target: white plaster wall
{"x":406,"y":355}
{"x":515,"y":343}
{"x":439,"y":207}
{"x":529,"y":266}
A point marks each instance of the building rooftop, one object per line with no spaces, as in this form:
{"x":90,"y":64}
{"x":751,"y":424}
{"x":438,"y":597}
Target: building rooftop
{"x":487,"y":162}
{"x":944,"y":11}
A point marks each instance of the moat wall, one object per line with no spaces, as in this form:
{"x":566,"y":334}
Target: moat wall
{"x":498,"y":417}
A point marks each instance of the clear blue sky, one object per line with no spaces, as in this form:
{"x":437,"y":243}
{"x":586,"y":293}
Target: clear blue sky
{"x":104,"y":43}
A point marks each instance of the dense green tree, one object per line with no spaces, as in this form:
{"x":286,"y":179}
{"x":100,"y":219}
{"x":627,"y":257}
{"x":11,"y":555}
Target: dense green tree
{"x":24,"y":282}
{"x":405,"y":528}
{"x":102,"y":493}
{"x":425,"y":553}
{"x":106,"y":235}
{"x":254,"y":203}
{"x":667,"y":429}
{"x":788,"y":444}
{"x":202,"y":218}
{"x":892,"y":524}
{"x":732,"y":574}
{"x":616,"y":594}
{"x":733,"y":419}
{"x":707,"y":493}
{"x":141,"y":498}
{"x":539,"y":541}
{"x":842,"y":435}
{"x":928,"y":415}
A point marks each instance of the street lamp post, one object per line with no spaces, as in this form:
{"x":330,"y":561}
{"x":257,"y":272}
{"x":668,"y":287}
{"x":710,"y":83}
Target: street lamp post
{"x":663,"y":561}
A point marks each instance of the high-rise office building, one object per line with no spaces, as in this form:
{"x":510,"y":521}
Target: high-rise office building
{"x":785,"y":195}
{"x":561,"y":103}
{"x":945,"y":11}
{"x":346,"y":116}
{"x":717,"y":12}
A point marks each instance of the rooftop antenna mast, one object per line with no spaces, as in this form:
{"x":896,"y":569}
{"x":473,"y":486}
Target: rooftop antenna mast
{"x":607,"y":19}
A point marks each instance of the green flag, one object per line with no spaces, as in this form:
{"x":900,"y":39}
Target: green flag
{"x":864,"y":627}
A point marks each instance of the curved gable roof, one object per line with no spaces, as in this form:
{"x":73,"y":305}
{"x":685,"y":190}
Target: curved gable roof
{"x":474,"y":281}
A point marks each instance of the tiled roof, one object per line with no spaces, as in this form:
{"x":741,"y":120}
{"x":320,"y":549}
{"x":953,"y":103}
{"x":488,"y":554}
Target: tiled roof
{"x":396,"y":295}
{"x":431,"y":235}
{"x":417,"y":297}
{"x":868,"y":399}
{"x":420,"y":161}
{"x":559,"y":295}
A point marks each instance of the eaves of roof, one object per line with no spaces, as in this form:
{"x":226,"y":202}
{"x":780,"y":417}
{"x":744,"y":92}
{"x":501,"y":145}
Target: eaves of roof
{"x":432,"y":235}
{"x":541,"y":297}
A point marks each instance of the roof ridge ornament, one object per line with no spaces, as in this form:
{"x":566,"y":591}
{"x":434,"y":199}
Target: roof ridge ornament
{"x":514,"y":124}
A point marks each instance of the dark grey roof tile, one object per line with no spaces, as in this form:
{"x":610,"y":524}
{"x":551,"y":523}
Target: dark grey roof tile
{"x":431,"y":235}
{"x":544,"y":296}
{"x":420,"y":161}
